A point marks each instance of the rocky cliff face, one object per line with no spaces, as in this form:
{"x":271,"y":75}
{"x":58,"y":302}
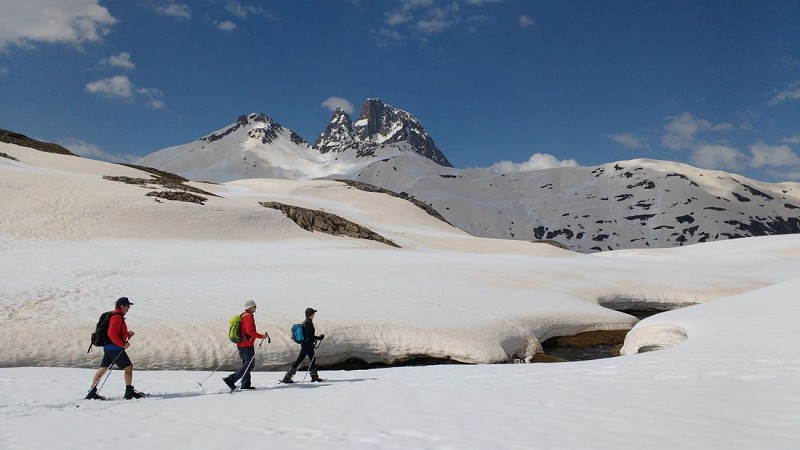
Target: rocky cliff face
{"x":378,"y":125}
{"x":339,"y":135}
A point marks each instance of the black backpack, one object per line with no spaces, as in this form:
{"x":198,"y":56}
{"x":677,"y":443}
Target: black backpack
{"x":100,"y":334}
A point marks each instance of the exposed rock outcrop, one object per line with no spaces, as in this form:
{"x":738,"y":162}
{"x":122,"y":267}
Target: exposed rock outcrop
{"x":324,"y":222}
{"x":24,"y":141}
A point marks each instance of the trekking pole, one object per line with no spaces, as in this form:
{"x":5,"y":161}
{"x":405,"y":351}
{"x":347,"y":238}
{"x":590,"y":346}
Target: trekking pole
{"x":104,"y":378}
{"x":239,"y":388}
{"x":316,"y":346}
{"x":200,"y":383}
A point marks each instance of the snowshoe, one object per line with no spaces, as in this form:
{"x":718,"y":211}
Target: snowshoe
{"x":245,"y":388}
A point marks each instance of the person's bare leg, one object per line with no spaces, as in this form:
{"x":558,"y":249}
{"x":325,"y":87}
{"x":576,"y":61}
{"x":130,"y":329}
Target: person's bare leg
{"x":129,"y":375}
{"x":98,"y":375}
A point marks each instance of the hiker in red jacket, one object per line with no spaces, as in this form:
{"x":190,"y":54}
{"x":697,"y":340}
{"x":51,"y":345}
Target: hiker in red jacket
{"x":247,"y":351}
{"x":114,"y":351}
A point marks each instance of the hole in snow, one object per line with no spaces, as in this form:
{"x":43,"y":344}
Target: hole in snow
{"x":412,"y":360}
{"x":582,"y":346}
{"x":640,"y":306}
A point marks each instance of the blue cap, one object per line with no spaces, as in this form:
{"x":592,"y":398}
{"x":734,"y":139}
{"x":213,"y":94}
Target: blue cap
{"x":123,"y":301}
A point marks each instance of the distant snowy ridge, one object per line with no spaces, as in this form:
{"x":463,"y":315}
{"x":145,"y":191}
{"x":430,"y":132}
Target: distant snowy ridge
{"x":627,"y":204}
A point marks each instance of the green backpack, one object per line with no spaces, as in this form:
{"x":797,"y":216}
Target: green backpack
{"x":235,"y":329}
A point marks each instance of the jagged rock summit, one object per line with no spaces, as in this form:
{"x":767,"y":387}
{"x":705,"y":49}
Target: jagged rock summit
{"x":378,"y":124}
{"x":339,"y":135}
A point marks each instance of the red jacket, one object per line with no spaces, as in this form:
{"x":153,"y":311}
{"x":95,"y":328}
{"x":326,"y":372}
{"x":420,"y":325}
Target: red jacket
{"x":248,"y":330}
{"x":117,"y":330}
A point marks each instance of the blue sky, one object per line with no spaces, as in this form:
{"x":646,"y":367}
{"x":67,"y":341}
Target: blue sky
{"x":511,"y":84}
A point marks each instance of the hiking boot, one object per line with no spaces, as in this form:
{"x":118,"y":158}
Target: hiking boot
{"x":248,"y":387}
{"x":93,"y":395}
{"x":316,"y":379}
{"x":230,"y":383}
{"x":288,"y":377}
{"x":130,"y":393}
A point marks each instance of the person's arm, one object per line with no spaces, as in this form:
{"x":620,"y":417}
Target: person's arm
{"x":115,"y":331}
{"x":250,"y":327}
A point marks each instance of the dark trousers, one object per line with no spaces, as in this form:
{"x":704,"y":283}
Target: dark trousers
{"x":306,"y":350}
{"x":247,"y":355}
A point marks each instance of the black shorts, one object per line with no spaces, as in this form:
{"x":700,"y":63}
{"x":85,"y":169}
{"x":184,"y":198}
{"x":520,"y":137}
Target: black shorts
{"x":118,"y":357}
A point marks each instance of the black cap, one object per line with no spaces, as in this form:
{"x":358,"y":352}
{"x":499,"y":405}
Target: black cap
{"x":310,"y":311}
{"x":123,"y":301}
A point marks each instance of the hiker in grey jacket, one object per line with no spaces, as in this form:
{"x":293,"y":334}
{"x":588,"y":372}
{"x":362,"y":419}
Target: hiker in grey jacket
{"x":307,"y":349}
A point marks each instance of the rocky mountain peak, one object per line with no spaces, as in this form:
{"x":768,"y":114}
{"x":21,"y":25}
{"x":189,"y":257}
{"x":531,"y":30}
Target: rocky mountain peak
{"x":259,"y":126}
{"x":339,"y":135}
{"x":378,"y":124}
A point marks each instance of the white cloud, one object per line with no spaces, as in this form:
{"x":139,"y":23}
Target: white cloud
{"x":244,"y":11}
{"x":717,"y":156}
{"x":791,"y":92}
{"x":628,"y":141}
{"x":792,"y":140}
{"x":120,"y":87}
{"x":385,"y":37}
{"x":177,"y":10}
{"x":432,"y":26}
{"x":771,"y":156}
{"x":681,"y":130}
{"x":123,"y":61}
{"x":475,"y":22}
{"x":92,"y":151}
{"x":785,"y":174}
{"x":226,"y":25}
{"x":74,"y":22}
{"x":525,"y":21}
{"x":537,"y":161}
{"x":153,"y":96}
{"x":423,"y":16}
{"x":331,"y":103}
{"x":787,"y":61}
{"x":394,"y":18}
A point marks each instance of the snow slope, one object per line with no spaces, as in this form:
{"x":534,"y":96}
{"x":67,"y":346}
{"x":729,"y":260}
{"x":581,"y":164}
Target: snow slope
{"x":732,"y":384}
{"x":71,"y":242}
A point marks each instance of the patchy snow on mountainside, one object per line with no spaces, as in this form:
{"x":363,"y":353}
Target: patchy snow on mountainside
{"x":627,"y":204}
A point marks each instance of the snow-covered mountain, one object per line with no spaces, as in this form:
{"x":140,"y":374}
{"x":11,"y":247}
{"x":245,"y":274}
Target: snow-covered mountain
{"x":627,"y":204}
{"x":256,"y":146}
